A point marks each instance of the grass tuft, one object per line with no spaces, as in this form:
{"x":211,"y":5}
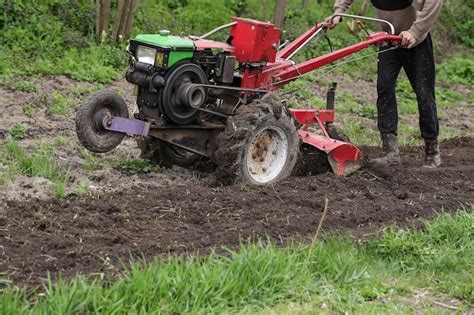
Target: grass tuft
{"x":135,"y":166}
{"x":18,"y":131}
{"x":40,"y":163}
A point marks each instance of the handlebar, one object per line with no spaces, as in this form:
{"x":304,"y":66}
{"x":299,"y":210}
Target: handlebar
{"x":217,"y":29}
{"x":392,"y":28}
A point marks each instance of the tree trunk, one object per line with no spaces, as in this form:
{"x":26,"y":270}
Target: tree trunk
{"x":304,"y":4}
{"x":279,"y":17}
{"x":131,"y":15}
{"x":123,"y":19}
{"x":105,"y":17}
{"x":118,"y":18}
{"x":97,"y":19}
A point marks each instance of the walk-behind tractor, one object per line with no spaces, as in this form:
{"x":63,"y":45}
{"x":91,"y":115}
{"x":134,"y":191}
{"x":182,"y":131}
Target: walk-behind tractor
{"x":202,"y":98}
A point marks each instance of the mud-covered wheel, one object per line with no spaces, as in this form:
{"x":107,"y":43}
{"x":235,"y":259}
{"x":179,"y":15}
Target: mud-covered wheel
{"x":165,"y":154}
{"x":259,"y":146}
{"x":89,"y":129}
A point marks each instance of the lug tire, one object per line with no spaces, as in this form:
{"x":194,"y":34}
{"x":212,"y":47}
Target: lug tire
{"x":236,"y":154}
{"x":89,"y":131}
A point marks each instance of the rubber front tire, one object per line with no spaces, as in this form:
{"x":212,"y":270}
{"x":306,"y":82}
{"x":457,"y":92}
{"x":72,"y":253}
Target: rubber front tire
{"x":90,"y":132}
{"x":259,"y":146}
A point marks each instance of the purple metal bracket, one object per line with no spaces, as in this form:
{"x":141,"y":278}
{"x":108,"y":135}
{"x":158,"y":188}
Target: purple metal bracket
{"x":125,"y":125}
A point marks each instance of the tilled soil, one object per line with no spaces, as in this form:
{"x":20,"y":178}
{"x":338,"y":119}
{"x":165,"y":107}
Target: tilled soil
{"x":96,"y":234}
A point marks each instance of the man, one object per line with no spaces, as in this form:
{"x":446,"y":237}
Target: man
{"x":413,"y":20}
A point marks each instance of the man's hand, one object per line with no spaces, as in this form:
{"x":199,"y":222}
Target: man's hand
{"x":408,"y":40}
{"x":331,"y":22}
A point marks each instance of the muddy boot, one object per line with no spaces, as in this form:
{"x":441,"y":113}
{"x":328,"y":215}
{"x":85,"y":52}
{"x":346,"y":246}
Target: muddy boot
{"x":390,"y":152}
{"x":432,"y":155}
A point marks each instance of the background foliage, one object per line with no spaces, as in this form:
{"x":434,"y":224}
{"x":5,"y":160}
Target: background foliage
{"x":57,"y":37}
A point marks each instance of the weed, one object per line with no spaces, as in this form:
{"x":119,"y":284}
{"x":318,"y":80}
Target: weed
{"x":91,"y":162}
{"x":41,"y":98}
{"x":40,"y":162}
{"x":59,"y":190}
{"x":40,"y":213}
{"x":84,"y":90}
{"x":360,"y":134}
{"x":29,"y":110}
{"x":18,"y":131}
{"x":408,"y":135}
{"x":61,"y":141}
{"x":406,"y":98}
{"x":448,"y":98}
{"x":61,"y":105}
{"x":82,"y":189}
{"x":366,"y":111}
{"x":457,"y":71}
{"x":136,"y":166}
{"x":25,"y":86}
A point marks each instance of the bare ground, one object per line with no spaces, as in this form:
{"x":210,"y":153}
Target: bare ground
{"x":93,"y":234}
{"x":183,"y":211}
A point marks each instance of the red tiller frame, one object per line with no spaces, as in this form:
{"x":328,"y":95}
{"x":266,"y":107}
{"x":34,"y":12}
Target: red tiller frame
{"x":283,"y":71}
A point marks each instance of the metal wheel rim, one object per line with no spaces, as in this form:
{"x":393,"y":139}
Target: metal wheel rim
{"x":267,"y":154}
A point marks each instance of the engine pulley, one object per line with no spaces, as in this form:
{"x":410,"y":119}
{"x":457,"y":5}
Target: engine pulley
{"x":182,"y":96}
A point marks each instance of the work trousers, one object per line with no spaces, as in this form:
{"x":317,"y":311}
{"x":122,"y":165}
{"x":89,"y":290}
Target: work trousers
{"x":418,"y":63}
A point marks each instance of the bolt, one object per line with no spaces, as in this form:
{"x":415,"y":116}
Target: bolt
{"x":109,"y":123}
{"x":274,"y":152}
{"x":262,"y":159}
{"x":264,"y":169}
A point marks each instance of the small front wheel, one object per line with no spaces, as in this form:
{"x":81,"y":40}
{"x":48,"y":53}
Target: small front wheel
{"x":90,"y":115}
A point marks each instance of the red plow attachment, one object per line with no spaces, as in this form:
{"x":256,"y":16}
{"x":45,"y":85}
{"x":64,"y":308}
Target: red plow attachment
{"x":343,"y":157}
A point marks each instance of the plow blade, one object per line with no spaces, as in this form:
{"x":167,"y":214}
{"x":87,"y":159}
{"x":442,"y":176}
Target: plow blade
{"x":343,"y":157}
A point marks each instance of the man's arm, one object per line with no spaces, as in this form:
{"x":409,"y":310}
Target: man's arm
{"x":339,"y":7}
{"x":425,"y":18}
{"x":342,"y":5}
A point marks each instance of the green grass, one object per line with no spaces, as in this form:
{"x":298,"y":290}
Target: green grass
{"x":335,"y":276}
{"x":39,"y":162}
{"x":81,"y":190}
{"x":135,"y":166}
{"x":18,"y":131}
{"x":60,"y":105}
{"x":25,"y":86}
{"x":29,"y":110}
{"x":457,"y":71}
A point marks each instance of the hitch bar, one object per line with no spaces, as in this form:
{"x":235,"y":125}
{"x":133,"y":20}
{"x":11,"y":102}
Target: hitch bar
{"x":124,"y":125}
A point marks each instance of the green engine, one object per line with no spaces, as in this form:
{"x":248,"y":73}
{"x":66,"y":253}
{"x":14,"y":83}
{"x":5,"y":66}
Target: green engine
{"x":170,"y":75}
{"x":162,"y":50}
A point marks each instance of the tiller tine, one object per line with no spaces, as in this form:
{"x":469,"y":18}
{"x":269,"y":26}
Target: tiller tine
{"x":343,"y":157}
